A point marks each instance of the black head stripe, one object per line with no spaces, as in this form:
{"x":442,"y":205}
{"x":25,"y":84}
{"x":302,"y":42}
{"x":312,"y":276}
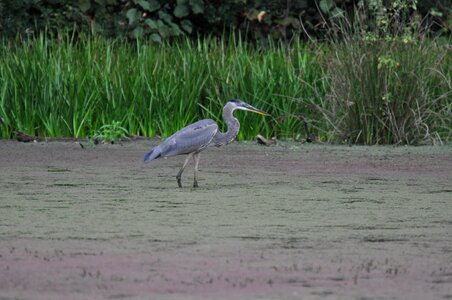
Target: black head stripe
{"x":236,"y":101}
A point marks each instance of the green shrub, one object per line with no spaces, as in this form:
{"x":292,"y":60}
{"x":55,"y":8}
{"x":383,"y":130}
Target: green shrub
{"x":256,"y":20}
{"x":390,"y":92}
{"x":389,"y":83}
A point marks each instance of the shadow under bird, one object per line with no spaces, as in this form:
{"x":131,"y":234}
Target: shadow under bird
{"x":196,"y":137}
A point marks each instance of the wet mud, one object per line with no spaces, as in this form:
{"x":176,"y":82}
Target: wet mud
{"x":283,"y":222}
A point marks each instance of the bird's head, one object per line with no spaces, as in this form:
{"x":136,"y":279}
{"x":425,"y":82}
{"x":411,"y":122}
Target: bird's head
{"x":239,"y":104}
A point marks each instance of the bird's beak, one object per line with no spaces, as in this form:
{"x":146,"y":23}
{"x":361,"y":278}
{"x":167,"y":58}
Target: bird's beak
{"x":255,"y":110}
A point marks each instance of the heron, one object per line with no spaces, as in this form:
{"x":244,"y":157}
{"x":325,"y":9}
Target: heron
{"x":196,"y":137}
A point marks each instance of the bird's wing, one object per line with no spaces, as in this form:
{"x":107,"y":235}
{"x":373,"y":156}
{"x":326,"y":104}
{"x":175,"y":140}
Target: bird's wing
{"x":194,"y":137}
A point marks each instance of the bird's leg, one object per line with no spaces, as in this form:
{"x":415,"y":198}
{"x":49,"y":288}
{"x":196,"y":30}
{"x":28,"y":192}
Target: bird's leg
{"x":196,"y":158}
{"x":179,"y":175}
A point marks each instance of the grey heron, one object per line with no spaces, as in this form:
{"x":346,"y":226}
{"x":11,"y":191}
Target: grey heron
{"x":196,"y":137}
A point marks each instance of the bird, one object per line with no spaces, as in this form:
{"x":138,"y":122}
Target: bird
{"x":196,"y":137}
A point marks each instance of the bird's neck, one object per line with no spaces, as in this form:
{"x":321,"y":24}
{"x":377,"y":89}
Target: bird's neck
{"x":224,"y":138}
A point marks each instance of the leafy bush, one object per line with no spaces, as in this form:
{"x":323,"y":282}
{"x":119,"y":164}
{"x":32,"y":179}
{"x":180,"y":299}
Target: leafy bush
{"x":257,"y":20}
{"x":380,"y":78}
{"x":389,"y":83}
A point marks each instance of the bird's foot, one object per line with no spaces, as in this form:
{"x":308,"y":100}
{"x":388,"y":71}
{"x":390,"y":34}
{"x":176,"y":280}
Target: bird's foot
{"x":195,"y":184}
{"x":179,"y":183}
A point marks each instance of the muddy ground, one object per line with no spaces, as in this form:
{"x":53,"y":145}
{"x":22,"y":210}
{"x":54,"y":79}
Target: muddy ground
{"x":285,"y":222}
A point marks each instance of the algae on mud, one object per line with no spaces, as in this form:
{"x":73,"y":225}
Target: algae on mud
{"x":278,"y":222}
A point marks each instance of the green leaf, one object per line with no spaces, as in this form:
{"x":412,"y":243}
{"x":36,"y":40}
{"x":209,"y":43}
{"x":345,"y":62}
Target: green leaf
{"x":435,"y":12}
{"x":144,"y":4}
{"x":138,"y":32}
{"x":151,"y":23}
{"x":165,"y":17}
{"x":197,"y":6}
{"x":181,"y":11}
{"x":84,"y":5}
{"x":164,"y":30}
{"x":187,"y":26}
{"x":149,"y":5}
{"x":174,"y":29}
{"x":132,"y":15}
{"x":155,"y":37}
{"x":326,"y":5}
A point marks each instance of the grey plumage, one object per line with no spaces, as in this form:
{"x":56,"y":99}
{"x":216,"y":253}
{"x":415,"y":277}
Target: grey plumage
{"x":195,"y":137}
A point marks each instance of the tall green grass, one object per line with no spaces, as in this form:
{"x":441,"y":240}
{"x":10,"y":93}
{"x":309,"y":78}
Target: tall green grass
{"x":366,"y":92}
{"x":390,"y":92}
{"x":60,"y":88}
{"x":389,"y":80}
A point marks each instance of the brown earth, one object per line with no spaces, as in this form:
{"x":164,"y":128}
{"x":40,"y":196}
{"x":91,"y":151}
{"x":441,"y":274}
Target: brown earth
{"x":280,"y":222}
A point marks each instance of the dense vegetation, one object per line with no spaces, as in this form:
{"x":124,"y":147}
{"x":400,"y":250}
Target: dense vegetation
{"x":373,"y":92}
{"x":160,"y":19}
{"x":377,"y":77}
{"x":150,"y":89}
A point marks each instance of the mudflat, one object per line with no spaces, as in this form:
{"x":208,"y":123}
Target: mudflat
{"x":284,"y":222}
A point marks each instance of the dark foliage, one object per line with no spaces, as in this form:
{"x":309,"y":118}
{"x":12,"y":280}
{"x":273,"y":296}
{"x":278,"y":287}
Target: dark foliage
{"x":257,"y":20}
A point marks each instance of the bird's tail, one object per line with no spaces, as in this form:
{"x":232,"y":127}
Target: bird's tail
{"x":153,"y":154}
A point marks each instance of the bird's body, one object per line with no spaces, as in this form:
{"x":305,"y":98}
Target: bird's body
{"x":196,"y":137}
{"x":192,"y":138}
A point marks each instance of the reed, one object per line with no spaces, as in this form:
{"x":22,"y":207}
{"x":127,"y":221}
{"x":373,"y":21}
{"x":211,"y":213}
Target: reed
{"x":391,"y":92}
{"x":60,"y":88}
{"x":389,"y":83}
